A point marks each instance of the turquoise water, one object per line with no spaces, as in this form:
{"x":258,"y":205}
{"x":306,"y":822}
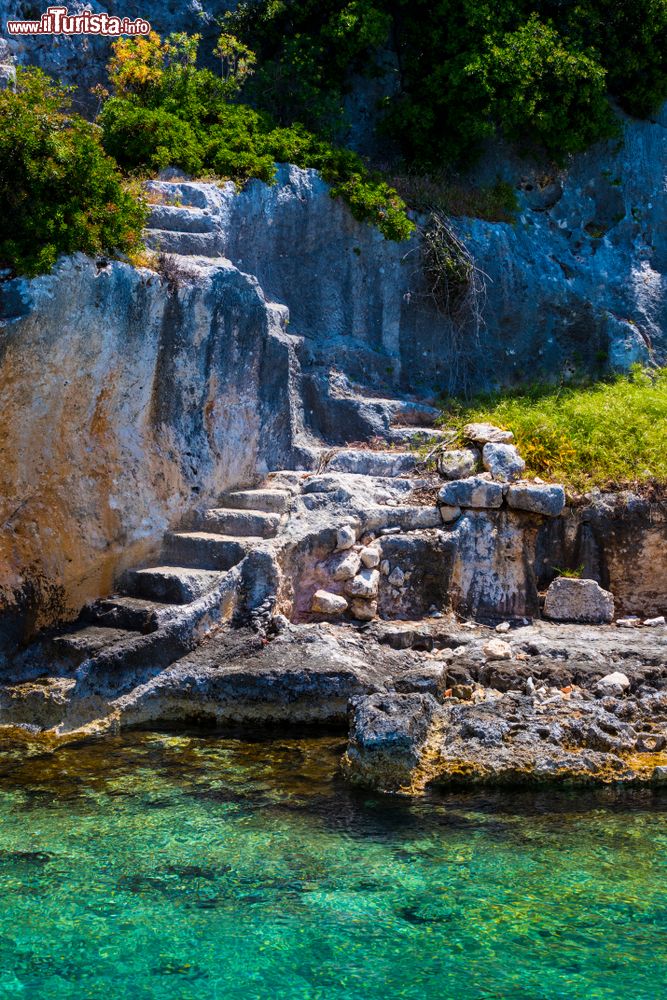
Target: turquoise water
{"x":179,"y":866}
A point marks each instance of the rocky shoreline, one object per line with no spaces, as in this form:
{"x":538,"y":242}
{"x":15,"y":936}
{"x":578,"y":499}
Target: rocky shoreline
{"x":429,"y":702}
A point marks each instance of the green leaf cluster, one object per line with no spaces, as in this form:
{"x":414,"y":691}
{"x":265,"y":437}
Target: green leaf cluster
{"x":170,"y":113}
{"x":59,"y":191}
{"x":540,"y":72}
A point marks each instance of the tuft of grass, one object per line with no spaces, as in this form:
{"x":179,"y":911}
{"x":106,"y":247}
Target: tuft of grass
{"x":571,"y":574}
{"x":610,"y":434}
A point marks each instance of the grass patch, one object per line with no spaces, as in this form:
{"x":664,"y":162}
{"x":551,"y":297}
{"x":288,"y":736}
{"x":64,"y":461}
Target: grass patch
{"x":610,"y":435}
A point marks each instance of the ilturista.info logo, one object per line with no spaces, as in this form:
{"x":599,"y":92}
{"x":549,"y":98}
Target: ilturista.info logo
{"x":59,"y":21}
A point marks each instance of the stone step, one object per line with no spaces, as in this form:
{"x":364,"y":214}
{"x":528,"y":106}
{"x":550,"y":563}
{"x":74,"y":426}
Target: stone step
{"x":269,"y":501}
{"x":77,"y":646}
{"x":183,"y":244}
{"x":241,"y":523}
{"x":372,"y":463}
{"x":207,"y":549}
{"x":410,"y":413}
{"x":178,"y":219}
{"x":416,"y":436}
{"x":170,"y":584}
{"x":179,"y":193}
{"x":133,"y":613}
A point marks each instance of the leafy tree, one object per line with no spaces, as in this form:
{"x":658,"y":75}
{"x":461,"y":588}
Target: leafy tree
{"x":538,"y":87}
{"x":59,"y":191}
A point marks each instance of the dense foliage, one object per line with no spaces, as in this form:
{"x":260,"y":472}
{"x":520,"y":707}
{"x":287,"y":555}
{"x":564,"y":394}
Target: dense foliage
{"x":539,"y":71}
{"x":169,"y":112}
{"x":59,"y":191}
{"x":607,"y":434}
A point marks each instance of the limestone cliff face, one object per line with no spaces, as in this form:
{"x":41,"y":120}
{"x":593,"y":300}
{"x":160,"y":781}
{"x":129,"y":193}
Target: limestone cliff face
{"x":577,"y":285}
{"x":126,"y":404}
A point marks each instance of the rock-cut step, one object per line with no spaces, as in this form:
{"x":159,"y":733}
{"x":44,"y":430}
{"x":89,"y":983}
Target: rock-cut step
{"x":181,"y":220}
{"x":362,"y":461}
{"x":184,"y":244}
{"x":241,"y":523}
{"x":133,"y":613}
{"x":170,"y":584}
{"x":75,"y":647}
{"x":269,"y":501}
{"x":207,"y":549}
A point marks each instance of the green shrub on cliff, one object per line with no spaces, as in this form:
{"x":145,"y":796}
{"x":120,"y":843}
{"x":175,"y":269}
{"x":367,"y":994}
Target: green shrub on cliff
{"x":59,"y":191}
{"x":607,"y":434}
{"x":457,"y":71}
{"x":168,"y":112}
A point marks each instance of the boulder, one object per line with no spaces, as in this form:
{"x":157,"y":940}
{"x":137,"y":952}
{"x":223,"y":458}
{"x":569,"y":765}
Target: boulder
{"x":326,"y":603}
{"x":370,"y":556}
{"x":617,"y":679}
{"x":345,"y":537}
{"x":347,"y":566}
{"x":387,"y":735}
{"x":459,"y":463}
{"x":449,"y":514}
{"x":540,"y":498}
{"x":503,"y":461}
{"x":397,"y":577}
{"x":363,"y":610}
{"x":365,"y":584}
{"x":487,"y":434}
{"x":496,"y":649}
{"x":473,"y":492}
{"x":571,"y":600}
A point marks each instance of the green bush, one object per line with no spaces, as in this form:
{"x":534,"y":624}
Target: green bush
{"x":59,"y":191}
{"x":148,"y":137}
{"x":538,"y":70}
{"x":537,"y":87}
{"x":149,"y":126}
{"x":631,"y":39}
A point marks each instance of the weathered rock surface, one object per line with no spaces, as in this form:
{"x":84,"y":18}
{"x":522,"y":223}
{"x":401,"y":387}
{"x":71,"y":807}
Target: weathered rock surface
{"x":554,"y":713}
{"x":473,"y":492}
{"x":459,"y":463}
{"x":289,"y":673}
{"x":123,"y":414}
{"x":620,"y":540}
{"x":399,"y":744}
{"x":503,"y":461}
{"x":538,"y":498}
{"x":572,"y":600}
{"x":390,"y":732}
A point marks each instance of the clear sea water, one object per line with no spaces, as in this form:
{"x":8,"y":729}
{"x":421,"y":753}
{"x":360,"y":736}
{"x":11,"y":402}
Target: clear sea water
{"x":192,"y":866}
